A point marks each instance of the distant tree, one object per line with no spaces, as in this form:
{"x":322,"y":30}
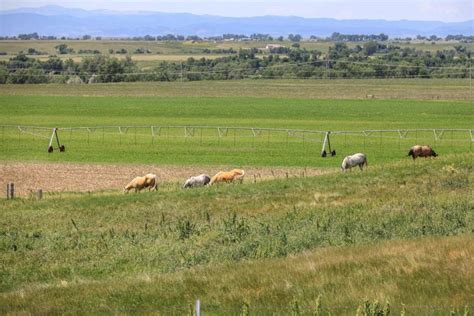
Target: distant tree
{"x":294,"y":38}
{"x":28,"y":36}
{"x":370,"y":48}
{"x":193,"y":38}
{"x":63,"y":49}
{"x":149,"y":38}
{"x":53,"y":64}
{"x":3,"y":74}
{"x":280,"y":38}
{"x":86,"y":37}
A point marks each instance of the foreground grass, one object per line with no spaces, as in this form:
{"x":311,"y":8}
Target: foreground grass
{"x":422,"y":276}
{"x":160,"y":251}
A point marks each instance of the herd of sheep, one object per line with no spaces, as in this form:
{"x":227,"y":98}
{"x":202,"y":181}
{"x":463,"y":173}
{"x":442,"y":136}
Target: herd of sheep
{"x":150,"y":180}
{"x":359,"y":159}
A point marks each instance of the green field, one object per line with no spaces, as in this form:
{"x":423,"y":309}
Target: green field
{"x":400,"y":233}
{"x":239,"y":147}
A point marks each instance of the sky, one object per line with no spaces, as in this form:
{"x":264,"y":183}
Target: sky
{"x":425,"y":10}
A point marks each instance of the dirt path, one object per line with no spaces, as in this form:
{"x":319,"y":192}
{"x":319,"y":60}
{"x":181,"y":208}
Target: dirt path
{"x":63,"y":177}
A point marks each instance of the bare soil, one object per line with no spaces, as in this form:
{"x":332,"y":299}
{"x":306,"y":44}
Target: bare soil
{"x":28,"y":177}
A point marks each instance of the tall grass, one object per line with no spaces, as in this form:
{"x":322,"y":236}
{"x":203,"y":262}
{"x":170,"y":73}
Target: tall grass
{"x":161,"y":251}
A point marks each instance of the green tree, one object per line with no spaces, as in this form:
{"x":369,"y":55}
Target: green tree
{"x":370,"y":48}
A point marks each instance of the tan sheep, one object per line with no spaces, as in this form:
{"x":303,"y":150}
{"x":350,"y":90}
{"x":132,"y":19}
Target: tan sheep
{"x":229,"y":176}
{"x":147,"y":181}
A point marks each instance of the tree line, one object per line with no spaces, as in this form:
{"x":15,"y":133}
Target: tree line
{"x":371,"y":60}
{"x":334,"y":37}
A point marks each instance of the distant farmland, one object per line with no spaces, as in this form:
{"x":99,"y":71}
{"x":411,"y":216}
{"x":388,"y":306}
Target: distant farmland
{"x":173,"y":50}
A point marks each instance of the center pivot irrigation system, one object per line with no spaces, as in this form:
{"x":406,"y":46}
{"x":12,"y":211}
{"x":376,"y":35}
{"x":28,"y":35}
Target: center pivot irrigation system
{"x":328,"y":143}
{"x":51,"y":140}
{"x":62,"y":148}
{"x":450,"y":136}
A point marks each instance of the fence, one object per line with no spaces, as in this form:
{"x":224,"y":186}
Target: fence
{"x":277,"y":143}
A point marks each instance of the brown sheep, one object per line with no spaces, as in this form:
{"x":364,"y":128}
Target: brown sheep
{"x":228,"y":176}
{"x":147,"y":181}
{"x":422,"y":151}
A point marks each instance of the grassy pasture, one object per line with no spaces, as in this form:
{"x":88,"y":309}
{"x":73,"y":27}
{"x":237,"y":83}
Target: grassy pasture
{"x":401,"y":233}
{"x":238,"y":147}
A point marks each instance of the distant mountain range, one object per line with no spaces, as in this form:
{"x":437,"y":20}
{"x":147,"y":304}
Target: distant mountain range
{"x":59,"y":21}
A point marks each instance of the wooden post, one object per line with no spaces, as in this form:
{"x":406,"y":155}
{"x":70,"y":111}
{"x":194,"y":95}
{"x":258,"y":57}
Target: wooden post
{"x":10,"y":190}
{"x":39,"y":194}
{"x":198,"y":308}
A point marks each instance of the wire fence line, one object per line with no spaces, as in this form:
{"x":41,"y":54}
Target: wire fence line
{"x":244,"y":136}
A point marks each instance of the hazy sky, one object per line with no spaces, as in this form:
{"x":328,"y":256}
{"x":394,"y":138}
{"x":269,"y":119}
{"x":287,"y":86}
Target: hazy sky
{"x":439,"y":10}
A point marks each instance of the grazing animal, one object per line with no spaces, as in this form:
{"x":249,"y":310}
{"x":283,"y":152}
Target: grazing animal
{"x":198,"y":181}
{"x":228,"y":176}
{"x":147,"y":181}
{"x":358,"y":159}
{"x":422,"y":151}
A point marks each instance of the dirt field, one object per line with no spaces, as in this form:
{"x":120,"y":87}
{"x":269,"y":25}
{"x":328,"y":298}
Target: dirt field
{"x":68,"y":177}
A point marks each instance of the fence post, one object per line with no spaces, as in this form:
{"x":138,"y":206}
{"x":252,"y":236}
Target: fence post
{"x":198,"y":308}
{"x":39,"y":194}
{"x":380,"y":139}
{"x":10,"y":190}
{"x":364,"y":141}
